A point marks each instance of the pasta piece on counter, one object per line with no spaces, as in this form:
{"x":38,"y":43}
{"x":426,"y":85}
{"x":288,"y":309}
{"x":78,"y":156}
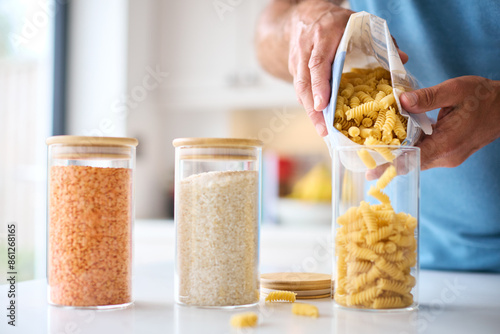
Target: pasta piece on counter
{"x":247,"y":319}
{"x":281,"y":296}
{"x":305,"y":309}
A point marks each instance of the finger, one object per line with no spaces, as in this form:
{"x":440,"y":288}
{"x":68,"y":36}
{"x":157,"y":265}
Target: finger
{"x":446,"y":94}
{"x":302,"y":84}
{"x":320,"y":65}
{"x":373,"y":174}
{"x":318,"y":122}
{"x":404,"y":57}
{"x":440,"y":150}
{"x":429,"y":153}
{"x":444,"y":112}
{"x":293,"y":60}
{"x":445,"y":147}
{"x":402,"y":163}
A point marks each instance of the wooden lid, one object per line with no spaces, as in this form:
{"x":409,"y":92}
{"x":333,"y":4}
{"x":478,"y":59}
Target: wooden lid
{"x":306,"y":294}
{"x":296,"y":281}
{"x":206,"y":157}
{"x":92,"y":141}
{"x":217,"y":142}
{"x":91,"y":156}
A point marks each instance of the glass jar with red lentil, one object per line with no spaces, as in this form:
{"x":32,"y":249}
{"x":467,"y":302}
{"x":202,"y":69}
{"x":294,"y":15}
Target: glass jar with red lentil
{"x":90,"y":217}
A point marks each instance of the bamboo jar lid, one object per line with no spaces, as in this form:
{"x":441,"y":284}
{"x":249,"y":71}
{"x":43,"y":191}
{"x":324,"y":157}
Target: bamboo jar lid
{"x":91,"y":148}
{"x":305,"y":285}
{"x":217,"y":142}
{"x":92,"y":141}
{"x":207,"y":149}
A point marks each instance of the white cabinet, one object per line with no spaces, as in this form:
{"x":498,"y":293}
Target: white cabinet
{"x":208,"y":49}
{"x":213,"y":70}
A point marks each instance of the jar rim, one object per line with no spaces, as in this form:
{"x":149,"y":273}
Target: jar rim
{"x":92,"y":141}
{"x":357,"y":147}
{"x":220,"y":142}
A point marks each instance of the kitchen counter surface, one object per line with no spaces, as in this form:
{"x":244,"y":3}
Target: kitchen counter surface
{"x":450,"y":302}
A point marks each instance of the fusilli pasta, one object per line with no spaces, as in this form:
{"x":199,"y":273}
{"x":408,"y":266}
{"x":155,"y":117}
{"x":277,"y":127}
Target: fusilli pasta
{"x":367,"y":94}
{"x":375,"y":249}
{"x":305,"y":309}
{"x":248,"y":319}
{"x":284,"y":296}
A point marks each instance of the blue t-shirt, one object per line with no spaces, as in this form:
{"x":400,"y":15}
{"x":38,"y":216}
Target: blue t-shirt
{"x":460,"y":207}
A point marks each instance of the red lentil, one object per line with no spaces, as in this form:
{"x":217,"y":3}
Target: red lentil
{"x":90,"y":227}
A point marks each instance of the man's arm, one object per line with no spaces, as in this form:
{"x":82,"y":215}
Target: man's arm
{"x":272,"y":39}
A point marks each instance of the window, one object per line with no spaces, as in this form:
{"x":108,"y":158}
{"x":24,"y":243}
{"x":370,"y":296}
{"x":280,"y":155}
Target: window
{"x":26,"y":89}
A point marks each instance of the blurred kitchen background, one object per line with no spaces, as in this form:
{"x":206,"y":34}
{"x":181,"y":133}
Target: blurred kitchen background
{"x":155,"y":70}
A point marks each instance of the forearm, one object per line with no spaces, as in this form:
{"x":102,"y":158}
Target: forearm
{"x":272,"y":40}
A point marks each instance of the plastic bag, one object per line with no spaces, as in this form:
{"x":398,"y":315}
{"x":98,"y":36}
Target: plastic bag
{"x":367,"y":43}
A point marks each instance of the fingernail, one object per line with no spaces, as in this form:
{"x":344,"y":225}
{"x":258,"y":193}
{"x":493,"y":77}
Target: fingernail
{"x":411,"y":97}
{"x":321,"y":129}
{"x":370,"y":175}
{"x":317,"y":102}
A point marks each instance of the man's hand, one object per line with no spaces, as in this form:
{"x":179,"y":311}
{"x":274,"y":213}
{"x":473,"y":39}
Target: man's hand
{"x":469,"y":118}
{"x":303,"y":36}
{"x":315,"y":29}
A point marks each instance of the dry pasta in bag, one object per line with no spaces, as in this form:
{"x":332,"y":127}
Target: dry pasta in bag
{"x":368,"y":78}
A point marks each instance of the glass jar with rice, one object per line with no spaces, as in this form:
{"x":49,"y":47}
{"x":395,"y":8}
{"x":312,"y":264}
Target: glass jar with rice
{"x":217,"y":216}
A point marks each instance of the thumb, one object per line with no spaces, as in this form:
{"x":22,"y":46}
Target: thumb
{"x":421,"y":100}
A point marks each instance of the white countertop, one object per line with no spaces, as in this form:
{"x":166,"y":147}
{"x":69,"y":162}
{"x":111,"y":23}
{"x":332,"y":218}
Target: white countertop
{"x":450,"y":302}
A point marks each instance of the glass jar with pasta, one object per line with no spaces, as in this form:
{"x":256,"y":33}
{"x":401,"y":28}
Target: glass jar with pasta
{"x":376,"y":206}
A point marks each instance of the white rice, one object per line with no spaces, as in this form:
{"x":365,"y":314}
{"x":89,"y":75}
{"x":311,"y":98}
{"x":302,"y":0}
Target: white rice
{"x":218,"y":239}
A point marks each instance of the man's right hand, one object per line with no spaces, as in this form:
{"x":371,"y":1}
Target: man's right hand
{"x":315,"y":29}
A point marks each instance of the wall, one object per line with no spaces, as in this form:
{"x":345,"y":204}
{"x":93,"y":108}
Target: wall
{"x":157,"y":70}
{"x":97,"y":62}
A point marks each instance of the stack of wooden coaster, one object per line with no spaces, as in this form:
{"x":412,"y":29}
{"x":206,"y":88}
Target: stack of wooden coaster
{"x":305,"y":285}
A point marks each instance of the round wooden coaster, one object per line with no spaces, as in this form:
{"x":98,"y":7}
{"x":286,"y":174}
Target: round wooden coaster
{"x":295,"y":281}
{"x":300,"y":293}
{"x":315,"y":297}
{"x":306,"y":285}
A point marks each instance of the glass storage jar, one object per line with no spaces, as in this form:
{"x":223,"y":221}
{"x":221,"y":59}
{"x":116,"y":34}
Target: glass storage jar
{"x":217,"y":218}
{"x":376,"y":212}
{"x":90,"y":217}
